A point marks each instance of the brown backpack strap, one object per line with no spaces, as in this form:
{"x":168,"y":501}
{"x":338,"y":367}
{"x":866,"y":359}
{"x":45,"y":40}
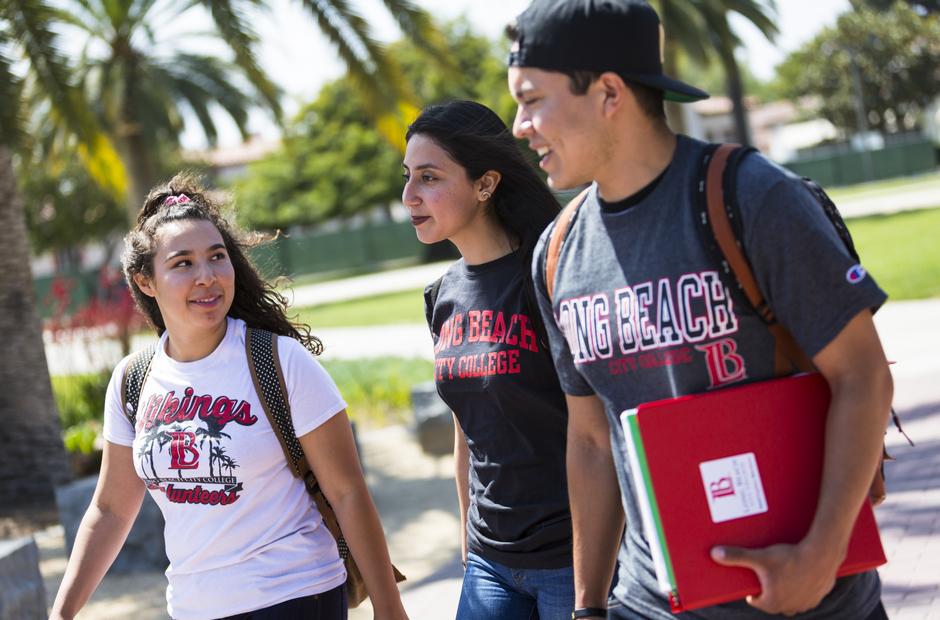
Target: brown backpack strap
{"x":557,"y":237}
{"x":788,"y":353}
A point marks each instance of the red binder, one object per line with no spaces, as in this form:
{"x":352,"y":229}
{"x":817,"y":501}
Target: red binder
{"x":740,"y":466}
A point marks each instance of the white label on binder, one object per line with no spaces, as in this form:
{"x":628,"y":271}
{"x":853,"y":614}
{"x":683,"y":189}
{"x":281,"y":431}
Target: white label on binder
{"x":733,"y":487}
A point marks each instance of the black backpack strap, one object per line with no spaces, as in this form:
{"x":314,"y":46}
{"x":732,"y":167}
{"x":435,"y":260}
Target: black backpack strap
{"x":269,"y":383}
{"x":268,"y":378}
{"x":132,"y":383}
{"x":430,"y":300}
{"x":832,"y":212}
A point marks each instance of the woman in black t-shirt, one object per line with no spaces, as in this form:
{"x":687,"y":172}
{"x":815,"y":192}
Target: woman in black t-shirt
{"x":467,"y":182}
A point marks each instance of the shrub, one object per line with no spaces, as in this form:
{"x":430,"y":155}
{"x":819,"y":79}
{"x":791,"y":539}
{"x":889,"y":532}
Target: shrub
{"x":80,"y":398}
{"x":378,"y":390}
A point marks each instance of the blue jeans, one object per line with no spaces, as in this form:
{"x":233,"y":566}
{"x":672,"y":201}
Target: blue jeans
{"x":492,"y":591}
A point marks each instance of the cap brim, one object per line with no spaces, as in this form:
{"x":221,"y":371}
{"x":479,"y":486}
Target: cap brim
{"x":673,"y":90}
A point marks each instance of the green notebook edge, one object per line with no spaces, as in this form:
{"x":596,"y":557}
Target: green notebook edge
{"x":644,"y":484}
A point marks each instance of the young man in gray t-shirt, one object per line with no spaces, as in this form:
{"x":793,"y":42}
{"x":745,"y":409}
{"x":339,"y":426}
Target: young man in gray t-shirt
{"x":639,"y":311}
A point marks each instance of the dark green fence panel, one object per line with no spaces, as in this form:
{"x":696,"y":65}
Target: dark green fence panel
{"x":849,"y":168}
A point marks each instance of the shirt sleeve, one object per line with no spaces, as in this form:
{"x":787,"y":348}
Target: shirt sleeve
{"x":812,"y":283}
{"x":314,"y":397}
{"x":117,"y":428}
{"x":571,"y":381}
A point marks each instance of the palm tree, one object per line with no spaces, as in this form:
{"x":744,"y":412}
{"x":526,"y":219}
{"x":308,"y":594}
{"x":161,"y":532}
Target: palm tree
{"x":213,"y":434}
{"x":145,"y":79}
{"x":700,"y":28}
{"x":136,"y":68}
{"x":31,"y":451}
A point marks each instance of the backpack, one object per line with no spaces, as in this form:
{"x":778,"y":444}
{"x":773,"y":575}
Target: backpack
{"x":268,"y":379}
{"x":720,"y":220}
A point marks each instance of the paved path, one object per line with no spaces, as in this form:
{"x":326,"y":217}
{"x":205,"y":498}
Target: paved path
{"x":922,"y":194}
{"x":910,"y":518}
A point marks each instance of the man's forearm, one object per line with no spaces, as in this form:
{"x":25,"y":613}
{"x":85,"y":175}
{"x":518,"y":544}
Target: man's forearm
{"x":597,"y":520}
{"x":854,"y":435}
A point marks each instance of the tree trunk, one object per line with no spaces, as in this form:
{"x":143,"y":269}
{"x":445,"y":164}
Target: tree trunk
{"x":742,"y":128}
{"x":674,"y":112}
{"x":32,"y":458}
{"x":134,"y":148}
{"x":139,"y":169}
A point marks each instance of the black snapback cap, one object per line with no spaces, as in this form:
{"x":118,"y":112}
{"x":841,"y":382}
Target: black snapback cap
{"x":623,"y":36}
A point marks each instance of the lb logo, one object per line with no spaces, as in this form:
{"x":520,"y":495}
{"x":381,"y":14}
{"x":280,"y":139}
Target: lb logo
{"x":855,"y":274}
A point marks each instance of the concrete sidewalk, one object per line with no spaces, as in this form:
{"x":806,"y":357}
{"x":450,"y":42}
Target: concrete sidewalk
{"x":920,"y":194}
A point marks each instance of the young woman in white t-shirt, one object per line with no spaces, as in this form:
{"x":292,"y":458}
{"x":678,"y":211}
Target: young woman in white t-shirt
{"x":243,"y":537}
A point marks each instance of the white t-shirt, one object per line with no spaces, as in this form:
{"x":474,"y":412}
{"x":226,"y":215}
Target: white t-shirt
{"x":241,"y":531}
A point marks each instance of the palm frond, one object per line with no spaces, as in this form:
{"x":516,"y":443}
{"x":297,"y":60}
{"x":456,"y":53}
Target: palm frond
{"x":761,"y":13}
{"x":684,"y":25}
{"x":418,"y":26}
{"x":201,"y":80}
{"x":241,"y":38}
{"x":374,"y":74}
{"x":30,"y":24}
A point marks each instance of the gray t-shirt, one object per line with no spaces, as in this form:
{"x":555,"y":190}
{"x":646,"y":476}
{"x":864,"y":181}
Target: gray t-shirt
{"x":641,"y":314}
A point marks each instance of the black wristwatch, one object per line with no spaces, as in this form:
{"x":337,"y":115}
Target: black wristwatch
{"x":588,"y":612}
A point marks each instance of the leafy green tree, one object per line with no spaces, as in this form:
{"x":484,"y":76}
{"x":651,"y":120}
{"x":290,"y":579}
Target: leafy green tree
{"x":336,"y":163}
{"x":31,"y":451}
{"x":923,"y":6}
{"x":886,"y":64}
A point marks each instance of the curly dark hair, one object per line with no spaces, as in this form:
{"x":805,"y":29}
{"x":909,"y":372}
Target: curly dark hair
{"x":256,"y":301}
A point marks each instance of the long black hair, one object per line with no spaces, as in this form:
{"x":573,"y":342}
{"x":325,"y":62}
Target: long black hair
{"x":476,"y":138}
{"x":256,"y":301}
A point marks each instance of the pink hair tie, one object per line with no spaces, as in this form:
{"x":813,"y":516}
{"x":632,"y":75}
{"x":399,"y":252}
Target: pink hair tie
{"x":176,"y":200}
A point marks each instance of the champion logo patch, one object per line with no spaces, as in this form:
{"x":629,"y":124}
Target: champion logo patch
{"x":855,"y":274}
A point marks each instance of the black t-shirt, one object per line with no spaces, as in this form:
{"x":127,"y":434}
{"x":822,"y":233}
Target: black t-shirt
{"x":500,"y":382}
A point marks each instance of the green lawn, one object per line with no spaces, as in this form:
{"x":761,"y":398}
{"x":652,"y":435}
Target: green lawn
{"x":389,"y":309}
{"x":902,"y":251}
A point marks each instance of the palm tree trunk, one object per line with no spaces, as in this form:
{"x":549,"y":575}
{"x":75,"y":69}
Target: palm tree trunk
{"x":139,"y":169}
{"x":133,"y":146}
{"x":742,"y":127}
{"x":32,"y":457}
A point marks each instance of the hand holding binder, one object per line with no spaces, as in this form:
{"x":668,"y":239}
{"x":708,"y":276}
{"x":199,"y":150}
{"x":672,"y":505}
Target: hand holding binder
{"x":793,"y":578}
{"x":742,"y":466}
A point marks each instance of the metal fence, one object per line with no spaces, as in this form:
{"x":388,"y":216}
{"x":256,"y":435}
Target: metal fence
{"x":847,"y":168}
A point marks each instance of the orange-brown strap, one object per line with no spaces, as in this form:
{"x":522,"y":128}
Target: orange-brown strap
{"x":557,"y":238}
{"x":788,"y":353}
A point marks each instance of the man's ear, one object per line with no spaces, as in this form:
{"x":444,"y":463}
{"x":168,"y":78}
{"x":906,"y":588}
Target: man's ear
{"x":144,"y":284}
{"x":614,"y":92}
